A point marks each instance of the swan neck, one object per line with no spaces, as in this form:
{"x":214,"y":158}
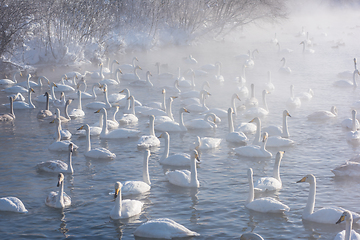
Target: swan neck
{"x":93,"y":90}
{"x":276,"y":172}
{"x":60,"y":196}
{"x":14,"y":77}
{"x":132,"y":103}
{"x":167,"y":147}
{"x":181,"y":119}
{"x":146,"y":176}
{"x":354,"y":121}
{"x":53,"y":93}
{"x":348,"y":229}
{"x":251,"y":190}
{"x":47,"y":107}
{"x":169,"y":110}
{"x":88,"y":143}
{"x":193,"y":170}
{"x":12,"y":107}
{"x":70,"y":167}
{"x":354,"y":78}
{"x":233,"y":104}
{"x":30,"y":101}
{"x":79,"y":103}
{"x":231,"y":123}
{"x":104,"y":129}
{"x":309,"y":209}
{"x":285,"y":133}
{"x":127,"y":93}
{"x":258,"y":133}
{"x":108,"y":105}
{"x":58,"y":128}
{"x":118,"y":204}
{"x":164,"y":102}
{"x":152,"y":130}
{"x":264,"y":101}
{"x":66,"y":110}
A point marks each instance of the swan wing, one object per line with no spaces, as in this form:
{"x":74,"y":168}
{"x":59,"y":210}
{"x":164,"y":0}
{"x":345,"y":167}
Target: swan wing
{"x":130,"y":208}
{"x":12,"y":204}
{"x":134,"y":188}
{"x":268,"y":205}
{"x":179,"y":177}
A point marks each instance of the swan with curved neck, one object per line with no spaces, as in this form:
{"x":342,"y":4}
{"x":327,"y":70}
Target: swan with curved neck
{"x":255,"y":150}
{"x":185,"y":178}
{"x":271,"y":183}
{"x":139,"y":187}
{"x":328,"y":215}
{"x":346,"y":83}
{"x":209,"y":122}
{"x":305,"y":49}
{"x":266,"y":204}
{"x":58,"y":199}
{"x":124,"y":208}
{"x":60,"y":145}
{"x":142,"y":83}
{"x":97,"y":153}
{"x":284,"y":69}
{"x":132,"y":76}
{"x":100,"y":74}
{"x":21,"y":104}
{"x":77,"y":112}
{"x":97,"y":105}
{"x":129,"y":118}
{"x":115,"y":81}
{"x":8,"y":82}
{"x":174,"y":126}
{"x":148,"y":141}
{"x":223,"y":113}
{"x":279,"y":131}
{"x":269,"y":86}
{"x":259,"y":111}
{"x":348,"y":233}
{"x":7,"y":117}
{"x":232,"y":136}
{"x":58,"y":166}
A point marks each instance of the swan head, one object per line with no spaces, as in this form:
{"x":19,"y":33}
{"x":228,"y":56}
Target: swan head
{"x":164,"y":135}
{"x":102,"y":110}
{"x":68,"y":102}
{"x":230,"y":111}
{"x":345,"y":216}
{"x":283,"y":59}
{"x":265,"y":136}
{"x":138,"y":67}
{"x":119,"y":70}
{"x":118,"y":186}
{"x":184,"y":110}
{"x":308,"y":178}
{"x":60,"y":179}
{"x":152,"y":118}
{"x":250,"y":173}
{"x":334,"y":110}
{"x":279,"y":155}
{"x":197,"y":143}
{"x":195,"y":155}
{"x":163,"y":91}
{"x":71,"y":146}
{"x":302,"y":43}
{"x":62,"y":95}
{"x":286,"y":113}
{"x":256,"y":120}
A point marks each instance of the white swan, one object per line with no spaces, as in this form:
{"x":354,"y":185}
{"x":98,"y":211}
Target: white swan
{"x":28,"y":84}
{"x":123,"y":100}
{"x":111,"y":123}
{"x":17,"y":88}
{"x":218,"y":77}
{"x":148,"y":141}
{"x":97,"y":153}
{"x":348,"y":169}
{"x":348,"y":73}
{"x":45,"y":113}
{"x":97,"y":105}
{"x":306,"y":96}
{"x":354,"y":134}
{"x":252,"y":101}
{"x":284,"y":50}
{"x":17,"y":97}
{"x":160,"y":105}
{"x":59,"y":102}
{"x":163,"y":228}
{"x":305,"y":49}
{"x":279,"y":131}
{"x":9,"y":82}
{"x":129,"y":118}
{"x":256,"y":111}
{"x":271,"y":183}
{"x":284,"y":69}
{"x":124,"y":208}
{"x":264,"y":205}
{"x":323,"y":115}
{"x":58,"y":145}
{"x":221,"y":112}
{"x":132,"y":76}
{"x":232,"y":136}
{"x":7,"y":117}
{"x":170,"y":116}
{"x":110,"y":70}
{"x":190,"y":60}
{"x":348,"y":233}
{"x":202,"y":143}
{"x":77,"y":112}
{"x":84,"y":94}
{"x":139,"y":187}
{"x":66,"y":117}
{"x":12,"y":204}
{"x":173,"y":126}
{"x":23,"y":105}
{"x":327,"y":215}
{"x":293,"y":102}
{"x":62,"y":87}
{"x":250,"y":61}
{"x":209,"y":122}
{"x":165,"y":75}
{"x":199,"y":107}
{"x":99,"y":74}
{"x":194,"y":93}
{"x":129,"y":66}
{"x":177,"y":159}
{"x":269,"y":86}
{"x":115,"y":81}
{"x":255,"y":150}
{"x":142,"y":83}
{"x":57,"y":166}
{"x":117,"y":133}
{"x":185,"y":178}
{"x":347,"y":83}
{"x":58,"y":199}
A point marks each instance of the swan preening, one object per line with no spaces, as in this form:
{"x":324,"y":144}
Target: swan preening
{"x":264,"y":205}
{"x":58,"y":199}
{"x":12,"y":204}
{"x":124,"y":208}
{"x":327,"y":215}
{"x":163,"y":228}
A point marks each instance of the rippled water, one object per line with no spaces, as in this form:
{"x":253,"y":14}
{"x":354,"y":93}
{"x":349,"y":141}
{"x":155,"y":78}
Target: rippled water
{"x":216,"y":209}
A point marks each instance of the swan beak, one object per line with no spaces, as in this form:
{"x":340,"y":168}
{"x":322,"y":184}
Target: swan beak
{"x":163,"y":91}
{"x":97,"y":111}
{"x":173,"y":97}
{"x":116,"y":192}
{"x":238,"y":97}
{"x":341,"y":219}
{"x":120,"y":71}
{"x":20,"y":74}
{"x":122,"y":91}
{"x":32,"y":90}
{"x":136,"y":59}
{"x":289,"y":114}
{"x":252,"y":120}
{"x":55,"y":85}
{"x":186,"y":110}
{"x":52,"y":121}
{"x":140,"y":68}
{"x":160,"y":136}
{"x":128,"y":98}
{"x":77,"y":86}
{"x":301,"y":180}
{"x":197,"y":157}
{"x":80,"y":128}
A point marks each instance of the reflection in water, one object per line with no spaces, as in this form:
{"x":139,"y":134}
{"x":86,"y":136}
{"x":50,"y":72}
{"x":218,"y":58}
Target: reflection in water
{"x":63,"y":228}
{"x":195,"y":201}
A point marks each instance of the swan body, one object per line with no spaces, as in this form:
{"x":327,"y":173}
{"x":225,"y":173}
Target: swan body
{"x":23,"y":105}
{"x":284,"y":50}
{"x":327,"y":215}
{"x":269,"y":86}
{"x":348,"y":169}
{"x":98,"y":74}
{"x":173,"y":126}
{"x":109,"y":81}
{"x":205,"y":123}
{"x":58,"y":199}
{"x":124,"y":208}
{"x":142,"y":83}
{"x":15,"y":89}
{"x":346,"y":83}
{"x":129,"y":66}
{"x":306,"y":96}
{"x":323,"y":115}
{"x":232,"y":136}
{"x":284,"y":69}
{"x":305,"y":49}
{"x":163,"y":228}
{"x":97,"y":153}
{"x":123,"y":101}
{"x":264,"y":205}
{"x":271,"y":183}
{"x":98,"y":105}
{"x":205,"y":143}
{"x":247,"y":128}
{"x":293,"y":102}
{"x":139,"y":187}
{"x":130,"y":118}
{"x":199,"y":107}
{"x":59,"y":102}
{"x":57,"y":166}
{"x":178,"y":159}
{"x":62,"y":87}
{"x":31,"y":84}
{"x":9,"y":82}
{"x":185,"y":178}
{"x":254,"y":150}
{"x":148,"y":141}
{"x":17,"y":97}
{"x":132,"y":76}
{"x":190,"y":60}
{"x":221,"y":112}
{"x":164,"y":75}
{"x":256,"y":111}
{"x":251,"y":236}
{"x":348,"y":233}
{"x":194,"y":93}
{"x":77,"y":112}
{"x":252,"y":101}
{"x":8,"y":117}
{"x":45,"y":113}
{"x":279,"y":131}
{"x":60,"y":145}
{"x":348,"y":123}
{"x":117,"y":133}
{"x":12,"y":204}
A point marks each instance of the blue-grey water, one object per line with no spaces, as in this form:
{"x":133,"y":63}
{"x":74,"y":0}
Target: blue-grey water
{"x":216,"y":209}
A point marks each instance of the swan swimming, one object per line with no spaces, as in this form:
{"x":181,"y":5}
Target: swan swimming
{"x":264,"y":205}
{"x":326,"y":215}
{"x":323,"y":115}
{"x":232,"y":136}
{"x":279,"y":131}
{"x":171,"y":126}
{"x":7,"y":117}
{"x":58,"y":166}
{"x":148,"y":141}
{"x":348,"y":233}
{"x":60,"y":145}
{"x":255,"y":150}
{"x":124,"y":208}
{"x":58,"y":199}
{"x":12,"y":204}
{"x":348,"y":123}
{"x":45,"y":113}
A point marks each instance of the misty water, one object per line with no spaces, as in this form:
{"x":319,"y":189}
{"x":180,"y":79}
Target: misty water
{"x":216,"y":209}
